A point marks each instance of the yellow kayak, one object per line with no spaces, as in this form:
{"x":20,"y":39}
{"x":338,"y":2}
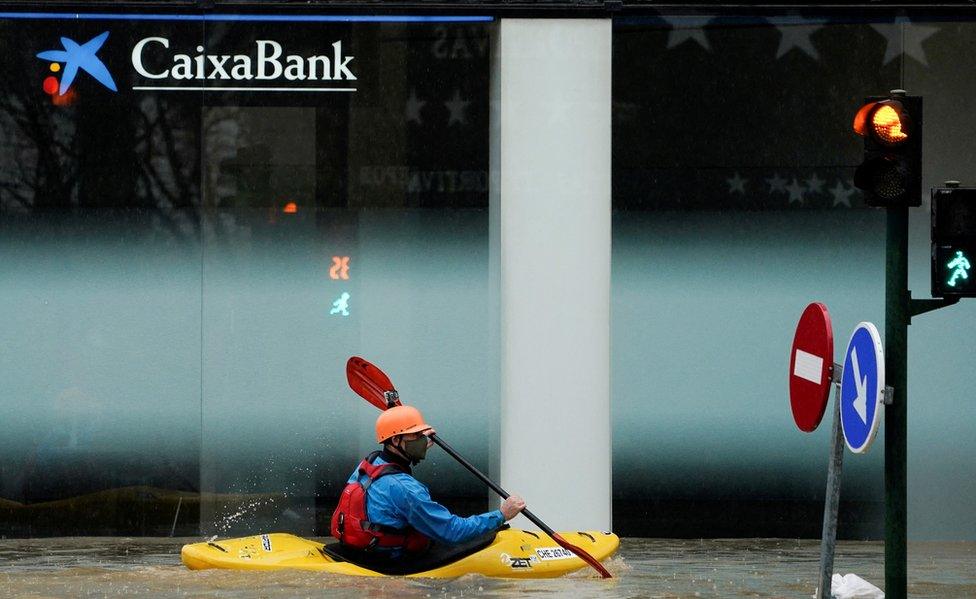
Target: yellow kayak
{"x":511,"y":553}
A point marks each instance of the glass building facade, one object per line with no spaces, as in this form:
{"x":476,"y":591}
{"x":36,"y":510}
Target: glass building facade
{"x":195,"y":236}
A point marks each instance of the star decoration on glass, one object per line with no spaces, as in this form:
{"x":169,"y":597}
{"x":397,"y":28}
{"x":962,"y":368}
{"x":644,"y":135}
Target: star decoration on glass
{"x":796,"y":33}
{"x":457,"y":106}
{"x":737,"y":184}
{"x":687,"y":28}
{"x":796,"y":191}
{"x":904,"y":37}
{"x":842,"y":194}
{"x":815,"y":184}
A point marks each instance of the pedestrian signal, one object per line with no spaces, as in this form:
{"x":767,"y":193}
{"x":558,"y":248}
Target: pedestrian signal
{"x":953,"y":241}
{"x":340,"y":307}
{"x":891,"y":174}
{"x":340,"y":268}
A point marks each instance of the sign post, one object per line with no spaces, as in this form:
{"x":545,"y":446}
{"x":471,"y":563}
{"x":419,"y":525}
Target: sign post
{"x":828,"y":539}
{"x":860,"y":397}
{"x":812,"y":372}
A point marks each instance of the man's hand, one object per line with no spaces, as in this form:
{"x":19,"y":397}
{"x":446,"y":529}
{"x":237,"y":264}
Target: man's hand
{"x":512,"y":506}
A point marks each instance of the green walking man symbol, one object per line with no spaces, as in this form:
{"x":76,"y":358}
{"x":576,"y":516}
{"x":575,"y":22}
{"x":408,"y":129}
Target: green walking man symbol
{"x":341,"y":305}
{"x":959,"y":264}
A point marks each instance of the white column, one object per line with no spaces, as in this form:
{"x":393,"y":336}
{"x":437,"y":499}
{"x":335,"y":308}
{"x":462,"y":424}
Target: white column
{"x":550,"y":213}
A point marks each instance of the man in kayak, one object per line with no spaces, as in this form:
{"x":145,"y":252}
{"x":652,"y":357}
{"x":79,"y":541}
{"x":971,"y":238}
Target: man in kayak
{"x":383,"y":508}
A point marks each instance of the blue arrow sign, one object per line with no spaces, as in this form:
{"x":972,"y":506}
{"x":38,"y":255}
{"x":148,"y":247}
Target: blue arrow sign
{"x":862,"y":388}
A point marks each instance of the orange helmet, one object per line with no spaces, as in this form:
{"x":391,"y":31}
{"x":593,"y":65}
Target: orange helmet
{"x":399,"y":420}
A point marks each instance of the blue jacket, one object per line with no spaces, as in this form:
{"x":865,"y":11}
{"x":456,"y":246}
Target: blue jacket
{"x":399,"y":500}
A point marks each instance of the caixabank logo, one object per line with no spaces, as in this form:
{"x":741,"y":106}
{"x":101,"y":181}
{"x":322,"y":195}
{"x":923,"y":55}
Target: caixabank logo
{"x":158,"y":66}
{"x":72,"y":58}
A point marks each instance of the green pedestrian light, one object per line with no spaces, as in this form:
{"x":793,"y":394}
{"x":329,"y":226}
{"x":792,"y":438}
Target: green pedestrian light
{"x":953,"y":241}
{"x":340,"y":306}
{"x":959,"y":267}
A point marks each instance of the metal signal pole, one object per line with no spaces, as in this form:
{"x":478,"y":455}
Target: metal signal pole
{"x":897,"y":319}
{"x":899,"y":310}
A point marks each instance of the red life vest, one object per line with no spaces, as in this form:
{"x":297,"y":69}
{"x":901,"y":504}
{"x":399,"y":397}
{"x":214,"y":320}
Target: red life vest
{"x":351,"y":525}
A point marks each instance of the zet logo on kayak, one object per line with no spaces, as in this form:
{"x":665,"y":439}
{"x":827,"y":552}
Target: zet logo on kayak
{"x":517,"y":563}
{"x":74,"y":57}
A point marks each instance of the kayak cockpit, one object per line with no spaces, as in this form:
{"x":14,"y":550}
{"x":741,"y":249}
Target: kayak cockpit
{"x":435,"y":557}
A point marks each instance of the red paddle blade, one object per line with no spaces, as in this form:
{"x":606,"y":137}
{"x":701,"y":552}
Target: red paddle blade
{"x":370,"y":383}
{"x":583,"y":555}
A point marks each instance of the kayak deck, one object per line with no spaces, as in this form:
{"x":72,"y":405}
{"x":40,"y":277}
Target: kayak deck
{"x":512,"y":554}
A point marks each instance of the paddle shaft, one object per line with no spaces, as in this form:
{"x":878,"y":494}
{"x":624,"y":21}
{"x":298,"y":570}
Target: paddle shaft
{"x":501,"y":492}
{"x":586,"y":557}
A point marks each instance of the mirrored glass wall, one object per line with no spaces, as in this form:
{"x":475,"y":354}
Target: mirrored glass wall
{"x":734,"y":207}
{"x":193,"y":246}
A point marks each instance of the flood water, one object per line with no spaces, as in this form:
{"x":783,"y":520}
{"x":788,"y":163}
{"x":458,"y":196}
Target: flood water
{"x":124,"y":567}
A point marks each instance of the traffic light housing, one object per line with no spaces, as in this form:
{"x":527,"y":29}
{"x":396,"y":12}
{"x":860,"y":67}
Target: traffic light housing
{"x":891,"y":174}
{"x":953,"y":241}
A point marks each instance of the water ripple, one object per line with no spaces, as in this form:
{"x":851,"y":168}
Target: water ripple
{"x":644,"y":568}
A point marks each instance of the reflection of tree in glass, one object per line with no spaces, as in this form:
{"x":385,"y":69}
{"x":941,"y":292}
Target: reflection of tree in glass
{"x":35,"y":145}
{"x":238,"y":162}
{"x":110,"y":153}
{"x":222,"y":135}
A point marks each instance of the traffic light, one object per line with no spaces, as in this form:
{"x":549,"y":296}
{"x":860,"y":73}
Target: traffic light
{"x":953,"y":241}
{"x":891,"y":174}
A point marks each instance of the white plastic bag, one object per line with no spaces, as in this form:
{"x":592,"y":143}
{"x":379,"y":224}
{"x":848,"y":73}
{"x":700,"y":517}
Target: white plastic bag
{"x":852,"y":586}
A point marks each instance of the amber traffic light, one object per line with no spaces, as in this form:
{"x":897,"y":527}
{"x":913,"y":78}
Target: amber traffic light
{"x":891,"y":174}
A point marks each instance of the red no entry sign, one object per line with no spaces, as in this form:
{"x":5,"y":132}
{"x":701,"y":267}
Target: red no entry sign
{"x":811,"y":358}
